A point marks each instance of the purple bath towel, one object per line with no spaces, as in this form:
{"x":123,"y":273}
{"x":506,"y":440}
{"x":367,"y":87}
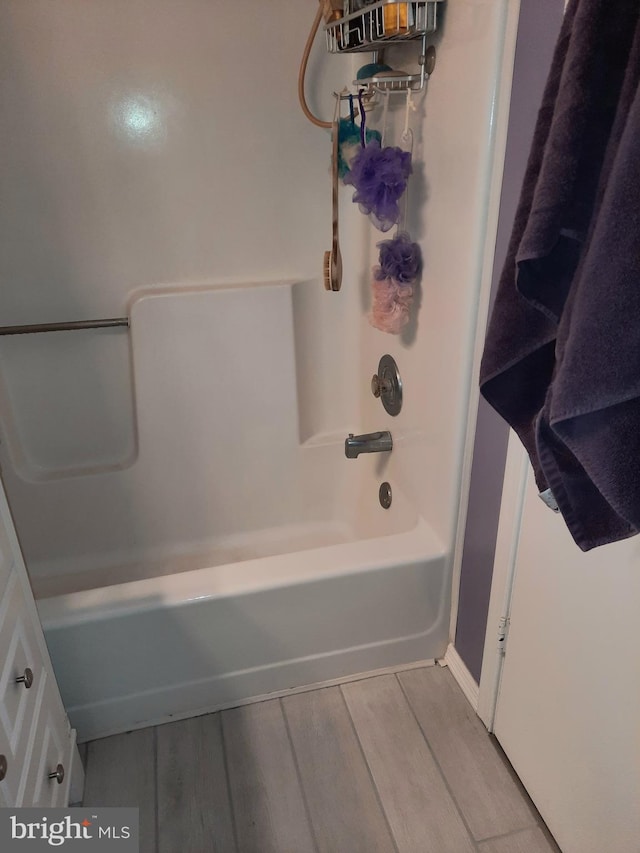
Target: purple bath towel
{"x":562,"y":355}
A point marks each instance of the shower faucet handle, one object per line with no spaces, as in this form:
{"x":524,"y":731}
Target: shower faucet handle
{"x":380,"y":385}
{"x":387,"y":385}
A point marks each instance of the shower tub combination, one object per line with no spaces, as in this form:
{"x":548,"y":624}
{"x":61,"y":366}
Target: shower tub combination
{"x":234,"y":552}
{"x":194,"y":534}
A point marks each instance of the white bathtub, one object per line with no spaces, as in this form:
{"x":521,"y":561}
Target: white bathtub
{"x":238,"y":551}
{"x":145,"y":651}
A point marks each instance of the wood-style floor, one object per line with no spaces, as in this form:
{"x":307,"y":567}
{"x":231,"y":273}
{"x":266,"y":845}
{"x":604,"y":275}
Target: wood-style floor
{"x":387,"y":764}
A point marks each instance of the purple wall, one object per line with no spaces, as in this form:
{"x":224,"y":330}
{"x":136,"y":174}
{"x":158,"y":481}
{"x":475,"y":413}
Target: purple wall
{"x":537,"y":33}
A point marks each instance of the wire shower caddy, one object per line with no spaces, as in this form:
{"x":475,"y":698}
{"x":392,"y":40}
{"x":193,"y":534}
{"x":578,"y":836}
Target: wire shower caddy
{"x":370,"y":28}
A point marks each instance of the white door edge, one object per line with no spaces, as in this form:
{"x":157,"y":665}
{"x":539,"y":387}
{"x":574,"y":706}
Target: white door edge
{"x":511,"y":508}
{"x":504,"y":566}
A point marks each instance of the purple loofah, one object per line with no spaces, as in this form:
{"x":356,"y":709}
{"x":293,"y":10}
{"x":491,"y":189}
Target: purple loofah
{"x":379,"y":176}
{"x":400,"y":259}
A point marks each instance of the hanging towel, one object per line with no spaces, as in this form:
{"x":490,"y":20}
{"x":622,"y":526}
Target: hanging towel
{"x":562,"y":356}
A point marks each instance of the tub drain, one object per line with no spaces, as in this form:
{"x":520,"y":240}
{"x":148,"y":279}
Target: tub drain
{"x":384,"y":495}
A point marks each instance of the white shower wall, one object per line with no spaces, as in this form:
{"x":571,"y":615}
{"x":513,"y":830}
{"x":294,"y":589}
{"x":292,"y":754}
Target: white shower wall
{"x":150,"y":141}
{"x":155,"y":162}
{"x":150,"y":144}
{"x":455,"y":128}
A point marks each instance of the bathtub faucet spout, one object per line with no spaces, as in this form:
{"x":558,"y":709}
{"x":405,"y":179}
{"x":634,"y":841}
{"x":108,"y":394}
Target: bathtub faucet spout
{"x":370,"y":442}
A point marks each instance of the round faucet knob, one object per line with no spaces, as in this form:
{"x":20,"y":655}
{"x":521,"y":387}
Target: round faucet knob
{"x":387,"y":385}
{"x":380,"y":385}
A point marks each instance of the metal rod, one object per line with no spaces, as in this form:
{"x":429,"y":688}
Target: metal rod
{"x":72,"y":326}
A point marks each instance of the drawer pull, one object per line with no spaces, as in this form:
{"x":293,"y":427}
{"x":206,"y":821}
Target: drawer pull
{"x":26,"y":679}
{"x":58,"y":774}
{"x":3,"y":767}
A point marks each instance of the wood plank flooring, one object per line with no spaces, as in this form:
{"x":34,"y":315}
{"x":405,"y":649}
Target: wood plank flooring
{"x":123,"y":773}
{"x":268,"y":804}
{"x":194,"y":807}
{"x":385,"y":764}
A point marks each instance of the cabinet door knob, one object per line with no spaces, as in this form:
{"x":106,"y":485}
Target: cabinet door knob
{"x":26,"y":679}
{"x":3,"y":767}
{"x":58,"y":774}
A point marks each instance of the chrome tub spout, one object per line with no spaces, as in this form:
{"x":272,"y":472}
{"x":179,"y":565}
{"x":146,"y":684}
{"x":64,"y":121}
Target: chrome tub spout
{"x":370,"y":442}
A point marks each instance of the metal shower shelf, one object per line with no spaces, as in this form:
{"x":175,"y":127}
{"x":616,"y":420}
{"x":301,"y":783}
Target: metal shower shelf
{"x":383,"y":22}
{"x":396,"y":81}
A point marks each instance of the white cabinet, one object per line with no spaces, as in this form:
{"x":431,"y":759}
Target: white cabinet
{"x":39,"y":759}
{"x":19,"y":701}
{"x":50,"y":749}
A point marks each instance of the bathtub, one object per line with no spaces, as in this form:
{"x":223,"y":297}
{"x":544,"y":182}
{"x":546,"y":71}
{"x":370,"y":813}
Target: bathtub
{"x":145,"y":651}
{"x":236,"y":552}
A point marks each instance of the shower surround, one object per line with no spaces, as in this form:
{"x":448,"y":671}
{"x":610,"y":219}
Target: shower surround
{"x":194,"y":533}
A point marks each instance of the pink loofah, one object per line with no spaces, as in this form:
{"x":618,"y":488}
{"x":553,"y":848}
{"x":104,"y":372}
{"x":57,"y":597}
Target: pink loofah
{"x":391,"y":305}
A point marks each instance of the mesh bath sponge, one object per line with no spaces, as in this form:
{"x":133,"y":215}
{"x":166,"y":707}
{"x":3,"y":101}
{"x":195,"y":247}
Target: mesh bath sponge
{"x":379,"y":176}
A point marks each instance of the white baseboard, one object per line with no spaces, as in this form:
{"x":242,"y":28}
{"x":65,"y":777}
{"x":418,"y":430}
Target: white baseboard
{"x":466,"y":682}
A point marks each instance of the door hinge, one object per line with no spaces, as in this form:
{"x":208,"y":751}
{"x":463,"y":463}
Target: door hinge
{"x":503,"y":630}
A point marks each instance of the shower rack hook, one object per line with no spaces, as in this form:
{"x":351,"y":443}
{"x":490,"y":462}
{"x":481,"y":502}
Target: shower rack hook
{"x":398,"y":83}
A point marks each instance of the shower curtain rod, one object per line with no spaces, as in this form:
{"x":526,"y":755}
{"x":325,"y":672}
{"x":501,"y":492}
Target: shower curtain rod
{"x":71,"y":326}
